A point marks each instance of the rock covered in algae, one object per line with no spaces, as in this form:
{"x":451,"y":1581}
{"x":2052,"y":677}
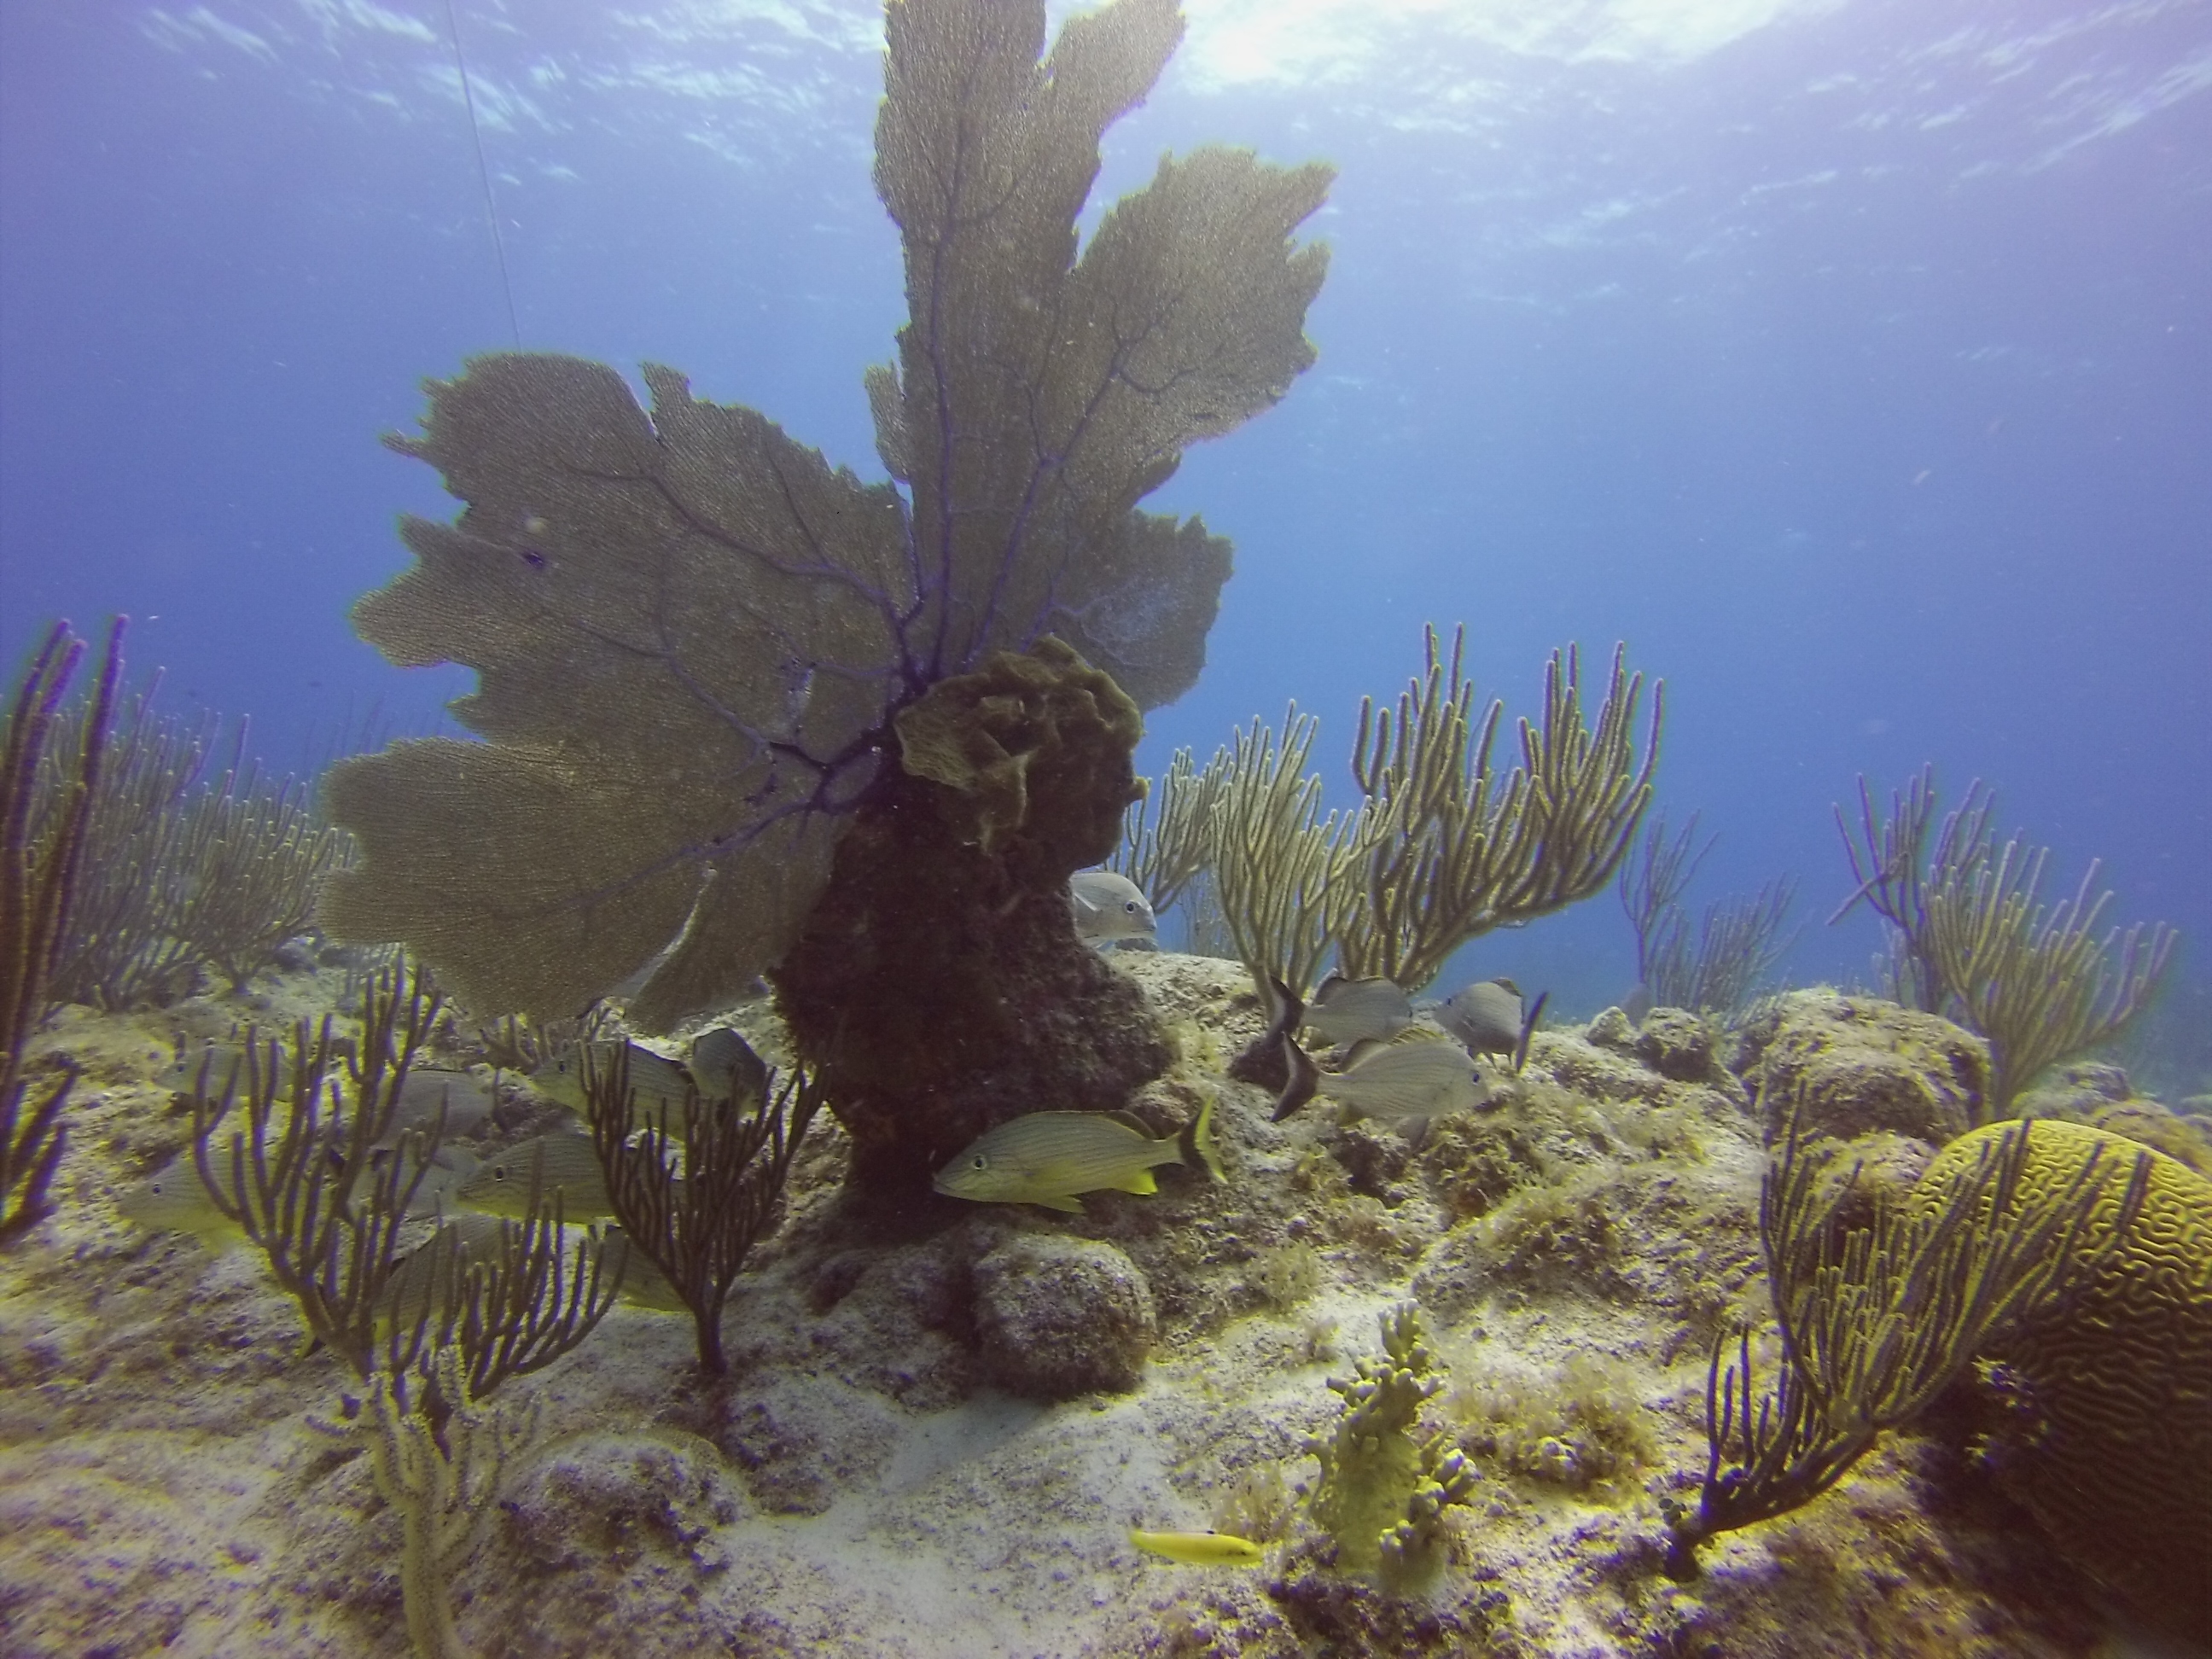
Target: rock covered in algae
{"x":939,"y":987}
{"x":1673,"y":1041}
{"x":2100,"y":1096}
{"x":1874,"y":1065}
{"x":1056,"y":1317}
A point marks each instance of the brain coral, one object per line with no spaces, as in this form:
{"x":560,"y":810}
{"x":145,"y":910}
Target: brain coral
{"x":2114,"y":1458}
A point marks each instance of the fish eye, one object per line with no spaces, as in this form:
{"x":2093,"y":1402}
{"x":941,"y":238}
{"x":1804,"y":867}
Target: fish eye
{"x":1131,"y":907}
{"x":980,"y":1163}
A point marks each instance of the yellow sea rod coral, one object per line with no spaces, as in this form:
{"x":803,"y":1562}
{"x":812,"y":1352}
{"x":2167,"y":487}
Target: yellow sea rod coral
{"x":2114,"y":1453}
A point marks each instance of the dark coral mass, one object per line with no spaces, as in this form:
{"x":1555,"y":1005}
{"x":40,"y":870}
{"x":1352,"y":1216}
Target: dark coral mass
{"x":938,"y":984}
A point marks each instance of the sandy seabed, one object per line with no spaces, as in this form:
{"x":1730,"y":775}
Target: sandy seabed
{"x":862,"y":1484}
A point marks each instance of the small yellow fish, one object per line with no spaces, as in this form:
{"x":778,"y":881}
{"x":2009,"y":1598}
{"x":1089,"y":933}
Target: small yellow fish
{"x":1047,"y":1158}
{"x":1200,"y":1549}
{"x":500,"y":1184}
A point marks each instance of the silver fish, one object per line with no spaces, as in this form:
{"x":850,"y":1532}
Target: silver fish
{"x":500,"y":1184}
{"x":450,"y":1170}
{"x":173,"y":1200}
{"x":407,"y":1294}
{"x":1109,"y":906}
{"x":1348,"y":1011}
{"x":1407,"y":1081}
{"x":466,"y":1104}
{"x":1491,"y":1018}
{"x":1486,"y":1016}
{"x":656,"y":1082}
{"x":725,"y":1066}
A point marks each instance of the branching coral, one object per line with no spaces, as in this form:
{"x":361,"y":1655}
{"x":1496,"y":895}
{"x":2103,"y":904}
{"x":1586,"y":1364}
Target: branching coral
{"x":179,"y":873}
{"x":1738,"y":943}
{"x":441,"y":1482}
{"x":2035,"y":981}
{"x":1164,"y":839}
{"x":1384,"y":1487}
{"x":1971,"y":938}
{"x":288,"y":1146}
{"x":1875,"y":1321}
{"x":254,"y":858}
{"x":126,"y":943}
{"x":1892,"y":871}
{"x":1458,"y":851}
{"x":1652,"y":882}
{"x":1286,"y":875}
{"x":41,"y":853}
{"x":695,"y":1203}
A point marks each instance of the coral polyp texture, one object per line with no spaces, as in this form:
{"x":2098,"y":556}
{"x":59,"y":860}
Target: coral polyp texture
{"x":1385,"y":1483}
{"x":2106,"y":1430}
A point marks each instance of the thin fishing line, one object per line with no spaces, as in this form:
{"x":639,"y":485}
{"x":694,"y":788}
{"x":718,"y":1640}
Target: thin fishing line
{"x":483,"y":172}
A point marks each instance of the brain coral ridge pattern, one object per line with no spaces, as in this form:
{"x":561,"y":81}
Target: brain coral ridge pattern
{"x":2116,"y":1366}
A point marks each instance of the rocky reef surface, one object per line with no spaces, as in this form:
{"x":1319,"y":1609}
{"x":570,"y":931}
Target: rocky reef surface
{"x":937,"y":1431}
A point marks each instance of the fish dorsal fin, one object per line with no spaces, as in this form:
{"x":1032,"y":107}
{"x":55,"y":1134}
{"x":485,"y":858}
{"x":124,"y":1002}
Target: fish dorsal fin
{"x":1361,"y":1049}
{"x":1129,"y":1120}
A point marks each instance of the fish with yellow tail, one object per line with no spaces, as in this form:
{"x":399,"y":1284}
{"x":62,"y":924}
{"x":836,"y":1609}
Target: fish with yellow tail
{"x":1047,"y":1157}
{"x":1200,"y":1549}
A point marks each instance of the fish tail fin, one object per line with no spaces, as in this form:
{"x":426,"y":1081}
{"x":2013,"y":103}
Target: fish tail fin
{"x":1198,"y":1141}
{"x":1303,"y":1081}
{"x":1529,"y":1030}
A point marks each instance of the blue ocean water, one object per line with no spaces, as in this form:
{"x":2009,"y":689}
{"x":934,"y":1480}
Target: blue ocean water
{"x":1851,"y":361}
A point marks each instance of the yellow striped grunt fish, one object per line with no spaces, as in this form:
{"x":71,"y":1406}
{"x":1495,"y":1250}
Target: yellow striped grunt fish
{"x":565,"y":1160}
{"x":1047,"y":1157}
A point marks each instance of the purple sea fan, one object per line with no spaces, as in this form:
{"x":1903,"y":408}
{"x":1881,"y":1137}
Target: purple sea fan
{"x":692,"y":635}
